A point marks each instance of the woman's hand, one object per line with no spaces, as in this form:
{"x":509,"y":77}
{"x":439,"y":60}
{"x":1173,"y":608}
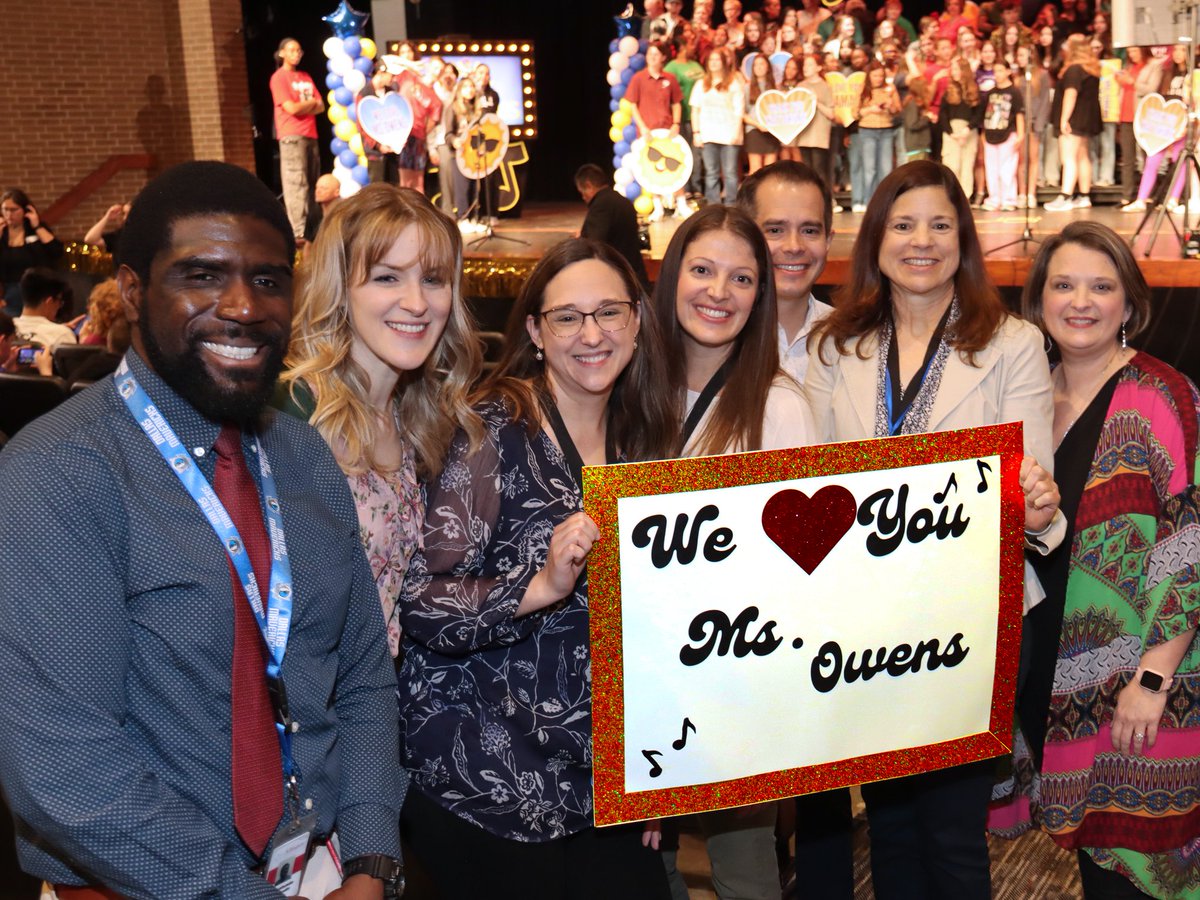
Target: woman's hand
{"x":1135,"y":722}
{"x":1041,"y":495}
{"x":570,"y":545}
{"x":32,"y":217}
{"x":652,"y":834}
{"x":1065,"y":128}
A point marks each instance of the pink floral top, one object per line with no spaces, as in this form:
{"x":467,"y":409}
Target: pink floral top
{"x":391,"y":520}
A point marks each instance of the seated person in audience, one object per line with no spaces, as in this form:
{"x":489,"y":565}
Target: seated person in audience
{"x":104,"y":308}
{"x":610,"y":218}
{"x":106,"y":234}
{"x":43,"y":295}
{"x":10,"y":349}
{"x":326,"y":192}
{"x":100,"y":365}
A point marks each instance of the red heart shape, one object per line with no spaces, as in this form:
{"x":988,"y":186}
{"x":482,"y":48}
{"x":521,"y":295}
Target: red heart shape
{"x":807,"y":528}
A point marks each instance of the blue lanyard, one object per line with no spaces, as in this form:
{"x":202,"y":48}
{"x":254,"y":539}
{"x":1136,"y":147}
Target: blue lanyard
{"x":275,"y":620}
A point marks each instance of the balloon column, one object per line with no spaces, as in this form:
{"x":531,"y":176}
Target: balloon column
{"x":350,"y":59}
{"x":627,"y":55}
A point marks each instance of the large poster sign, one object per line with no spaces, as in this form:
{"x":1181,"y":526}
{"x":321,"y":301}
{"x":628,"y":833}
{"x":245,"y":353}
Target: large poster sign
{"x":785,"y":115}
{"x":1110,"y":90}
{"x":771,"y":624}
{"x":846,"y":93}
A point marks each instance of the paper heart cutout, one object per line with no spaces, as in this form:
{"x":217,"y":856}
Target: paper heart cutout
{"x":1158,"y":122}
{"x":846,"y":91}
{"x":387,"y":120}
{"x":808,"y":528}
{"x":786,"y":115}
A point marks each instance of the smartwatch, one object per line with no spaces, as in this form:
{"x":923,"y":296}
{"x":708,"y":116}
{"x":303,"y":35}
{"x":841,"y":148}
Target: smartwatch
{"x":1154,"y":682}
{"x":386,"y":869}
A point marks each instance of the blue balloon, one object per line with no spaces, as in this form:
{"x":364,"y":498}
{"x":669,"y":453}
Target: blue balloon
{"x":352,"y":113}
{"x":616,"y":162}
{"x":617,"y":92}
{"x":613,"y":46}
{"x":337,"y":145}
{"x":633,"y":190}
{"x":620,"y":148}
{"x":343,"y":96}
{"x":614,"y":105}
{"x":626,"y":76}
{"x":346,"y":20}
{"x":353,"y":46}
{"x":333,"y":81}
{"x":348,"y":158}
{"x":359,"y":174}
{"x":630,"y":134}
{"x":364,"y":65}
{"x":643,"y":46}
{"x":637,"y":62}
{"x":625,"y":26}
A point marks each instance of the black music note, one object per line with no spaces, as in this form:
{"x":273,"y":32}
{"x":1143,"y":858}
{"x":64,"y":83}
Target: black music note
{"x":682,"y":742}
{"x":983,"y":485}
{"x":941,"y":496}
{"x":655,"y":768}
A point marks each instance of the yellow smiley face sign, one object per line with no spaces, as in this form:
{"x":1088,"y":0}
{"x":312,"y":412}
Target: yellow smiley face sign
{"x":662,"y":164}
{"x":483,"y":148}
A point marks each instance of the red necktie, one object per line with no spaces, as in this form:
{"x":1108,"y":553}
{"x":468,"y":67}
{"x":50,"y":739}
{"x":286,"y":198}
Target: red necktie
{"x":257,"y":768}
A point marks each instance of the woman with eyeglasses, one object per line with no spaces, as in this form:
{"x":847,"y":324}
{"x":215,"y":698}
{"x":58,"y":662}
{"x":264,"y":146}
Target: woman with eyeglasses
{"x":495,"y":686}
{"x":25,"y":242}
{"x":715,"y":303}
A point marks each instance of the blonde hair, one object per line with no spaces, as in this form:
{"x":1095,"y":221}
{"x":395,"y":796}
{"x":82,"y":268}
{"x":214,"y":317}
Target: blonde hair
{"x":431,"y":401}
{"x":104,"y":308}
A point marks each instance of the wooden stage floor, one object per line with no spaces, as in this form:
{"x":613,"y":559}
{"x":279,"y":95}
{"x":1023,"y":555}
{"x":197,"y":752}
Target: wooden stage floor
{"x":544,"y":224}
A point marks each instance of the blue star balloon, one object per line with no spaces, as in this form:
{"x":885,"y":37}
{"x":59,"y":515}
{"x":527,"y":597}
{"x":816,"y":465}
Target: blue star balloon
{"x":346,"y":21}
{"x":626,"y":22}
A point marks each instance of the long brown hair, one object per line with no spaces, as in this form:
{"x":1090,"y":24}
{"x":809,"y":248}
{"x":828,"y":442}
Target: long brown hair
{"x":641,"y":417}
{"x":737,"y":415}
{"x":863,"y":304}
{"x":731,"y":72}
{"x":965,"y":91}
{"x":431,"y":401}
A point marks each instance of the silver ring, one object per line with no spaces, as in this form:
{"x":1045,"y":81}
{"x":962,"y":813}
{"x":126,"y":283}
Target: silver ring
{"x":1137,"y":736}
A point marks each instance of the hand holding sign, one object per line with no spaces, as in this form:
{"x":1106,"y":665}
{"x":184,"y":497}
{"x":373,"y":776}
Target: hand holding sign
{"x":570,"y":545}
{"x":386,"y":121}
{"x":786,"y":115}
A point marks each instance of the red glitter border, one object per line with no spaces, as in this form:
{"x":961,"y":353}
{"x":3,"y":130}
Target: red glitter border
{"x":604,"y":485}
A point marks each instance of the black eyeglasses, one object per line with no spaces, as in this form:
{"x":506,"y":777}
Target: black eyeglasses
{"x":567,"y":322}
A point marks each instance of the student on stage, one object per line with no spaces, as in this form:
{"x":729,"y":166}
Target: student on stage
{"x":718,"y":103}
{"x":762,"y":147}
{"x":1003,"y":131}
{"x":1076,"y":115}
{"x":959,"y":119}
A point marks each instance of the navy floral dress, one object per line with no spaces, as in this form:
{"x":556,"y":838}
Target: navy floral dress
{"x":495,"y":711}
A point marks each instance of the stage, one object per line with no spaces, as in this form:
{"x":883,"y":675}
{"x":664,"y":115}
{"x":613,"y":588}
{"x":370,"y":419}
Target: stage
{"x":545,"y":224}
{"x":494,"y":269}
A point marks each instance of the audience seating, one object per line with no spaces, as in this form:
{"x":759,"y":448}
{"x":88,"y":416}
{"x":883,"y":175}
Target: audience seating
{"x":25,"y":397}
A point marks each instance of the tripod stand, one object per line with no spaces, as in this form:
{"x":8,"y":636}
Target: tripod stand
{"x":482,"y":203}
{"x":1185,"y":164}
{"x":1027,"y":233}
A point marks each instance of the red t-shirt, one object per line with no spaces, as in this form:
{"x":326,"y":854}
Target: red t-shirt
{"x":295,"y":86}
{"x":424,"y":102}
{"x":654,"y":97}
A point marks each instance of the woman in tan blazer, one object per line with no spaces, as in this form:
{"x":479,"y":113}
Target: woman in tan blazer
{"x":920,"y":341}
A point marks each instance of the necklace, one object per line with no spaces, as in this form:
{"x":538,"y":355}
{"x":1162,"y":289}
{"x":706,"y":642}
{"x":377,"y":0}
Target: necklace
{"x":1078,"y":407}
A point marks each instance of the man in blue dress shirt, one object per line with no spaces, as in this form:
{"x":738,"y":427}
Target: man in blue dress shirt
{"x":118,"y":598}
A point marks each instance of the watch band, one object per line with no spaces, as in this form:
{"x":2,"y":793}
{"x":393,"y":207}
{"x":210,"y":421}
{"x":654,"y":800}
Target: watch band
{"x":377,"y":865}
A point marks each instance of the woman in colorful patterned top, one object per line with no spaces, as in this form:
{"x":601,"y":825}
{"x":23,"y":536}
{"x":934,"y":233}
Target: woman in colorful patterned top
{"x":382,"y":357}
{"x":496,"y":698}
{"x":1108,"y":758}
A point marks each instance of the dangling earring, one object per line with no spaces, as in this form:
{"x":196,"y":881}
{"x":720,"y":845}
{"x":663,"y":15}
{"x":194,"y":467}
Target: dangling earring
{"x":1049,"y":343}
{"x":1123,"y":344}
{"x":635,"y":343}
{"x":539,"y":356}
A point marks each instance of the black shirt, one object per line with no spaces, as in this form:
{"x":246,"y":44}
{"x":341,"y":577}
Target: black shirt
{"x":611,"y":218}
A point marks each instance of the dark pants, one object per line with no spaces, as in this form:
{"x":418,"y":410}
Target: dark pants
{"x":1101,"y":884}
{"x":385,"y":168}
{"x":817,"y":158}
{"x":467,"y":862}
{"x":824,"y":844}
{"x":929,"y":834}
{"x":1128,"y":150}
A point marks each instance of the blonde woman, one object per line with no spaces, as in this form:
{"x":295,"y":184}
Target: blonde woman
{"x":1076,"y":115}
{"x":381,"y":360}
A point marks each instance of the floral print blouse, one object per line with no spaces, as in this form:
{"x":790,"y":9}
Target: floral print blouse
{"x":391,"y":518}
{"x":495,"y":711}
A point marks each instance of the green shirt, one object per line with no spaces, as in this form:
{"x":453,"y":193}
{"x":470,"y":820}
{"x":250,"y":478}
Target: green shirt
{"x":687,"y":74}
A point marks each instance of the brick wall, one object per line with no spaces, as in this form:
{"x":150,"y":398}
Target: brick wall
{"x":86,"y":80}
